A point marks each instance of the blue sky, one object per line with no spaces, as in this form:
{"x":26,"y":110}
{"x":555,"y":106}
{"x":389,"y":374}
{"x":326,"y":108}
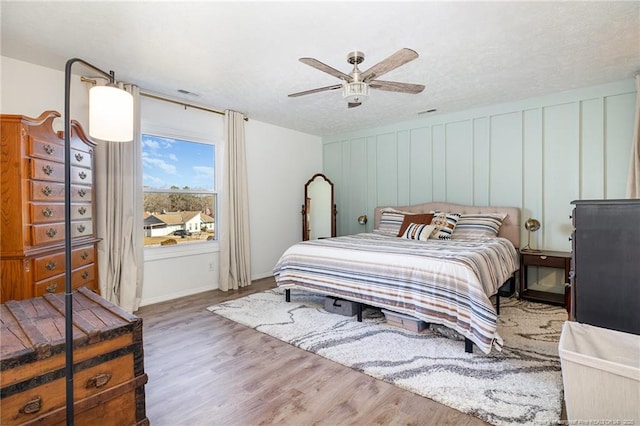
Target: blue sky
{"x":167,"y":162}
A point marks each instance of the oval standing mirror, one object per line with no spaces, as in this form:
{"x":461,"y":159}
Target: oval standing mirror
{"x":318,"y":211}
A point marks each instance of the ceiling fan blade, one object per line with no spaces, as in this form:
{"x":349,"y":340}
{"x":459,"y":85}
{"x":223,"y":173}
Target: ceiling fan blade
{"x":326,"y":68}
{"x":395,"y":86}
{"x":399,"y":58}
{"x":354,"y":104}
{"x":320,"y":89}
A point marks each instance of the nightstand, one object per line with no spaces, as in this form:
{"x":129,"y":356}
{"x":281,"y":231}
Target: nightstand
{"x":546,"y":259}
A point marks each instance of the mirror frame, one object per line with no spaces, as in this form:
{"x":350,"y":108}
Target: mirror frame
{"x":305,"y":207}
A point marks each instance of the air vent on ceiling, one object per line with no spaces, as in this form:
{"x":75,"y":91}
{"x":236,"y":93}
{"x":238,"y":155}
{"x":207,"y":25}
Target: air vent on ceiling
{"x":186,"y":92}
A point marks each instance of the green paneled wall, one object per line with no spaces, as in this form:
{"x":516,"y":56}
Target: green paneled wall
{"x":538,"y":154}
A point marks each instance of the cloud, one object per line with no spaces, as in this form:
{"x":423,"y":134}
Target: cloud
{"x":150,"y":143}
{"x":152,"y":180}
{"x":159,"y":164}
{"x":203,"y":171}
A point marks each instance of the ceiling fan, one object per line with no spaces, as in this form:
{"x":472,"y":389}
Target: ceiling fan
{"x":355,"y":85}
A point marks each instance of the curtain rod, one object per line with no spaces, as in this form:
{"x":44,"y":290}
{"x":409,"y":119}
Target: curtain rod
{"x":162,"y":98}
{"x":185,"y":104}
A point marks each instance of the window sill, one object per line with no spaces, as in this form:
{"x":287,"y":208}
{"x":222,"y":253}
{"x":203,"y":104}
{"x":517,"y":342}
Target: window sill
{"x":180,"y":250}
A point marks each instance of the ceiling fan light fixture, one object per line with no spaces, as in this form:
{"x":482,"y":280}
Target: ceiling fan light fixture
{"x":355,"y":92}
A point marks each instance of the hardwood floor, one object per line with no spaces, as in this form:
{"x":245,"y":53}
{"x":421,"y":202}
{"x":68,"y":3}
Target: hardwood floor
{"x":207,"y":370}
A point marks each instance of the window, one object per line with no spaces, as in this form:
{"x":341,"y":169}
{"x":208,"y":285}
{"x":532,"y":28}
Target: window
{"x":179,"y":190}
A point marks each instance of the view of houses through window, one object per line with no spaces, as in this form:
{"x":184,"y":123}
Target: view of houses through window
{"x":179,"y":191}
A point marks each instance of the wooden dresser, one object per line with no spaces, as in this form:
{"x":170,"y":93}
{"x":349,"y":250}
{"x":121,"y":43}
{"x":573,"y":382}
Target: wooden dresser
{"x":109,"y":375}
{"x":32,"y":210}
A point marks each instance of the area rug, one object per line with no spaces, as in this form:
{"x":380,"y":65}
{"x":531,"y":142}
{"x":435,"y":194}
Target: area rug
{"x":520,"y":385}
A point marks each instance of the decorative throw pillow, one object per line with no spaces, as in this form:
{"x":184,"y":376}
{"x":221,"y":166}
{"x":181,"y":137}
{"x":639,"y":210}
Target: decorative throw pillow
{"x":444,"y":223}
{"x":479,"y":225}
{"x":418,"y":231}
{"x":425,"y":219}
{"x":391,"y":221}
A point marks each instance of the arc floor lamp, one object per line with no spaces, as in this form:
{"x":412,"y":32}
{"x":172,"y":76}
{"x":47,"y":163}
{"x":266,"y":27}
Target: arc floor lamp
{"x":110,"y":119}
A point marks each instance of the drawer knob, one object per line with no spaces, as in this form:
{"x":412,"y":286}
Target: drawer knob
{"x":98,"y":380}
{"x":82,"y":210}
{"x":543,"y":257}
{"x":47,"y":212}
{"x":82,"y":192}
{"x":84,"y":255}
{"x":51,"y":265}
{"x":51,"y":288}
{"x":79,"y":157}
{"x":82,"y":175}
{"x":47,"y":170}
{"x":46,"y":191}
{"x":85,"y":275}
{"x":32,"y":406}
{"x":81,"y":228}
{"x":49,"y":149}
{"x":52,"y":232}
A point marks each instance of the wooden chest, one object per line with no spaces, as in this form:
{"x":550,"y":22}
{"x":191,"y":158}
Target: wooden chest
{"x":108,"y":375}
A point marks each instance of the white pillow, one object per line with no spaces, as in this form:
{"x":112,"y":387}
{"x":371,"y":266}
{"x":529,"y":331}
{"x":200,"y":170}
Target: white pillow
{"x":418,"y":231}
{"x":444,"y":223}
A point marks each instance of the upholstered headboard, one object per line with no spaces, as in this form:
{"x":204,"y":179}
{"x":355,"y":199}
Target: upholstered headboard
{"x":510,"y":228}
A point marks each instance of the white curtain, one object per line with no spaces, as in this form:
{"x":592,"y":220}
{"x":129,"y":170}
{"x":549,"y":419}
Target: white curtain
{"x":119,"y":216}
{"x":235,"y":250}
{"x":633,"y":184}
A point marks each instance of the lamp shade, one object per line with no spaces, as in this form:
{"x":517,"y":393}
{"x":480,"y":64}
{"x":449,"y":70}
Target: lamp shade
{"x":110,"y":114}
{"x":355,"y":92}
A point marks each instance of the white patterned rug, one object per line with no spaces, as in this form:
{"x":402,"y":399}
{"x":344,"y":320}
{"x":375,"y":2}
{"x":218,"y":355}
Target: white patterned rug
{"x":520,"y":385}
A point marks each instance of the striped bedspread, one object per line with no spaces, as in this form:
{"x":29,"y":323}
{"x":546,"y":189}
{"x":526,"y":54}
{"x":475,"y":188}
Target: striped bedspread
{"x":442,"y":282}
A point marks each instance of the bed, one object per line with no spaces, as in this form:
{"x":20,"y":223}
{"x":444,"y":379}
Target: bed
{"x":446,"y":281}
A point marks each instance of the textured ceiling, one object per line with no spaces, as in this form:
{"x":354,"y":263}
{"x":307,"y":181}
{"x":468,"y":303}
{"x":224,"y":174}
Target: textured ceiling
{"x":244,"y":55}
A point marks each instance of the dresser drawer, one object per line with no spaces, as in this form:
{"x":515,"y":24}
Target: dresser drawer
{"x":80,"y":158}
{"x":48,"y":266}
{"x":57,"y":284}
{"x":81,"y":228}
{"x":81,"y":175}
{"x":45,"y":149}
{"x":82,"y":256}
{"x":50,"y":191}
{"x":83,"y":276}
{"x":54,"y":264}
{"x":49,"y":285}
{"x":42,"y":212}
{"x":46,"y":170}
{"x":81,"y":193}
{"x":49,"y":233}
{"x":46,"y":191}
{"x":545,"y":261}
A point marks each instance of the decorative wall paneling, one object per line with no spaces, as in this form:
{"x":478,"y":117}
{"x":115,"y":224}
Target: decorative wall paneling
{"x":538,"y":154}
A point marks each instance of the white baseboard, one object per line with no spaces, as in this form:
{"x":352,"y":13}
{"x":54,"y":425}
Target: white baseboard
{"x":177,"y":295}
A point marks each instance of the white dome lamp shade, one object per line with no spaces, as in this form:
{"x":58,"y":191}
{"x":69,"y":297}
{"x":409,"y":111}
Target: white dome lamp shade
{"x":110,"y":113}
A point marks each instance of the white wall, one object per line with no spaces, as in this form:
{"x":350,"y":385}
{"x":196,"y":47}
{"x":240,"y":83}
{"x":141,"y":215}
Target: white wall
{"x":280,"y":161}
{"x":29,"y":89}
